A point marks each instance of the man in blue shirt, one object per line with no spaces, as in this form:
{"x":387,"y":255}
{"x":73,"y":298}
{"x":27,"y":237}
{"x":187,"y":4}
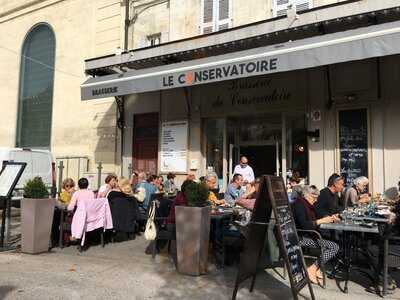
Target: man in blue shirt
{"x":149,"y":188}
{"x":234,"y":191}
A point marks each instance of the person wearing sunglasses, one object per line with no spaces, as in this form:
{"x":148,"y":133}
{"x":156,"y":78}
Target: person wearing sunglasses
{"x":68,"y":188}
{"x":245,"y":170}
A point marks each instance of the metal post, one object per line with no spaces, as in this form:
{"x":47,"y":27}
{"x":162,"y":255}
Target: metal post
{"x":284,"y":147}
{"x":99,"y":168}
{"x":8,"y":222}
{"x":60,"y":176}
{"x":130,"y":170}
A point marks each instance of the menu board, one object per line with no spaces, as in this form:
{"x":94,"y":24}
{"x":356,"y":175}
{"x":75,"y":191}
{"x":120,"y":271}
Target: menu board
{"x":174,"y":147}
{"x":287,"y":236}
{"x":353,"y":143}
{"x":9,"y":176}
{"x":291,"y":243}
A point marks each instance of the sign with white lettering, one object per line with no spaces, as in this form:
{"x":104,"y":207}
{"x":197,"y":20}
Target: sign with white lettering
{"x":353,"y":139}
{"x":174,"y":147}
{"x":9,"y":176}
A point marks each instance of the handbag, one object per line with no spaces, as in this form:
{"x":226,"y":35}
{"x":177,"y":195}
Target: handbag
{"x":150,"y":232}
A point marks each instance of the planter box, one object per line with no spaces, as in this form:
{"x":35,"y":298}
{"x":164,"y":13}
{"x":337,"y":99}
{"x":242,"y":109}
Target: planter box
{"x":36,"y":222}
{"x":192,"y":239}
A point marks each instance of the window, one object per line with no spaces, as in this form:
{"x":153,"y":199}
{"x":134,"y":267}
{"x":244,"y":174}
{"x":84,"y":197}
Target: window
{"x":154,"y":39}
{"x":280,"y":7}
{"x":36,"y":88}
{"x":216,"y":15}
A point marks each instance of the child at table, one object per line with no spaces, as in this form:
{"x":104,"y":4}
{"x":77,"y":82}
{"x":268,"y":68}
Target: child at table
{"x":68,"y":189}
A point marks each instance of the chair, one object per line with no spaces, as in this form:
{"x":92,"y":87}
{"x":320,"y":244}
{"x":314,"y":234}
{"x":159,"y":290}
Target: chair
{"x":124,"y":212}
{"x":65,"y":226}
{"x":320,"y":252}
{"x":163,"y":208}
{"x":91,"y":214}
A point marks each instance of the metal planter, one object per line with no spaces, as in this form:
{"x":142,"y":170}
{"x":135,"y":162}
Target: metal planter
{"x":192,"y":239}
{"x":36,"y":222}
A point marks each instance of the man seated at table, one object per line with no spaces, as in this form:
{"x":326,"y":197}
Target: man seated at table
{"x":235,"y":195}
{"x":234,"y":190}
{"x":148,"y":187}
{"x":211,"y":182}
{"x":305,"y":218}
{"x":328,"y":202}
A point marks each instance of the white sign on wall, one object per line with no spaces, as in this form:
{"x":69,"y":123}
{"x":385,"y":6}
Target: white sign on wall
{"x":174,"y":144}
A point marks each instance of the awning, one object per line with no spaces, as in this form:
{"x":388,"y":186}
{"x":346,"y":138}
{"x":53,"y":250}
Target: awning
{"x":351,"y":45}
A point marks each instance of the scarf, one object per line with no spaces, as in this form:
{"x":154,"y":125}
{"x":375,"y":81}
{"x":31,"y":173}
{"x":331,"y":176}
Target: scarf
{"x":310,"y":209}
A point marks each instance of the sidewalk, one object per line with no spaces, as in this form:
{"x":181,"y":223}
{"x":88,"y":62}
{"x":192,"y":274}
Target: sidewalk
{"x":123,"y":271}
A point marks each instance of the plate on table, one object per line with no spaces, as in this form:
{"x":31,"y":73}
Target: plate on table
{"x":382,"y":207}
{"x":385,"y":212}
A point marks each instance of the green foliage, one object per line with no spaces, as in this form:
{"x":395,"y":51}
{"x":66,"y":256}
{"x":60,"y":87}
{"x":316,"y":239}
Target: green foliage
{"x":196,"y":194}
{"x":35,"y":189}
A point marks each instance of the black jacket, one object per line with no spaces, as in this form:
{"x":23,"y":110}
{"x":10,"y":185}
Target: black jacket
{"x":301,"y":218}
{"x":327,"y":204}
{"x":124,"y":211}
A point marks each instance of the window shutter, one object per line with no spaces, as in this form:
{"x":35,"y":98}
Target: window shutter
{"x":303,"y":4}
{"x":208,"y":16}
{"x":215,"y":15}
{"x":224,"y":20}
{"x":280,"y":6}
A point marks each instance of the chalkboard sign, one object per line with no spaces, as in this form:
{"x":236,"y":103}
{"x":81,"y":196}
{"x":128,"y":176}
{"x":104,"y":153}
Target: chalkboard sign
{"x":287,"y":236}
{"x":291,"y":244}
{"x":272,"y":197}
{"x":353,"y":144}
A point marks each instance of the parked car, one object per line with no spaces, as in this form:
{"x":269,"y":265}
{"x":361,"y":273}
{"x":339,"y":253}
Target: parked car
{"x":38,"y":163}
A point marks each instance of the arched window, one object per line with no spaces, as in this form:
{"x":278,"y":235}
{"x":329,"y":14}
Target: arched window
{"x":36,"y":88}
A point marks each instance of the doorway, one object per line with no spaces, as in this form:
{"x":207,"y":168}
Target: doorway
{"x":261,"y":158}
{"x":145,"y":142}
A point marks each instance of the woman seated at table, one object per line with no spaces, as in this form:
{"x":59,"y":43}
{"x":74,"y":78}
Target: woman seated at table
{"x":124,"y":209}
{"x":304,"y":215}
{"x":356,"y":194}
{"x":68,"y":188}
{"x":82,"y":194}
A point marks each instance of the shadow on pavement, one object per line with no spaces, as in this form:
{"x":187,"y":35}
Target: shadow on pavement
{"x":6,"y":289}
{"x":219,"y":284}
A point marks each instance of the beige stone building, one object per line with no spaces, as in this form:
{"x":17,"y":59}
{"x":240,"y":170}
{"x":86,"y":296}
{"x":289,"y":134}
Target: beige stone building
{"x":293,"y":118}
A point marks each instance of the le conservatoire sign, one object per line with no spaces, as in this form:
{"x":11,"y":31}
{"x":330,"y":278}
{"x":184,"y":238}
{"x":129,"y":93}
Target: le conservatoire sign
{"x":333,"y":48}
{"x":130,"y":83}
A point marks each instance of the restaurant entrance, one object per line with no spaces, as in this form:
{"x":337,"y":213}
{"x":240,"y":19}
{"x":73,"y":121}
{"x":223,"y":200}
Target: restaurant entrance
{"x":275,"y":144}
{"x":259,"y":138}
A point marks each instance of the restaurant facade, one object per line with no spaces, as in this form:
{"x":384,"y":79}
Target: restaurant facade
{"x":309,"y":100}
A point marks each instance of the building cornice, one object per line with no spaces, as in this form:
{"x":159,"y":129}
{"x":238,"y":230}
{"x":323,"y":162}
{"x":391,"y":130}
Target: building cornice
{"x":26,"y":8}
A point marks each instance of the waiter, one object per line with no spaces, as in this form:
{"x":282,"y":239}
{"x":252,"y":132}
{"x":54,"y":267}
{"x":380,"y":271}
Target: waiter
{"x":245,"y":170}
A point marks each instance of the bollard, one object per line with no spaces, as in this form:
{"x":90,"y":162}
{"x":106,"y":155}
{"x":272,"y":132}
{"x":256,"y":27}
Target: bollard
{"x":60,"y":176}
{"x":99,"y":168}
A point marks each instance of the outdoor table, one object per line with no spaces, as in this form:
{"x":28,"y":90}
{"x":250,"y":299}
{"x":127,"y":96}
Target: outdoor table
{"x":347,"y":245}
{"x":218,"y":221}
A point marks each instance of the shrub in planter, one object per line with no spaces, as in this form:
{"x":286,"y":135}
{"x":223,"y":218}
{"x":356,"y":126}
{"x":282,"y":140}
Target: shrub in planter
{"x":196,"y":194}
{"x":35,"y":189}
{"x":193,"y":230}
{"x":37,"y":211}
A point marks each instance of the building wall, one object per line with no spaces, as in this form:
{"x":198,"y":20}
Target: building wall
{"x":78,"y":128}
